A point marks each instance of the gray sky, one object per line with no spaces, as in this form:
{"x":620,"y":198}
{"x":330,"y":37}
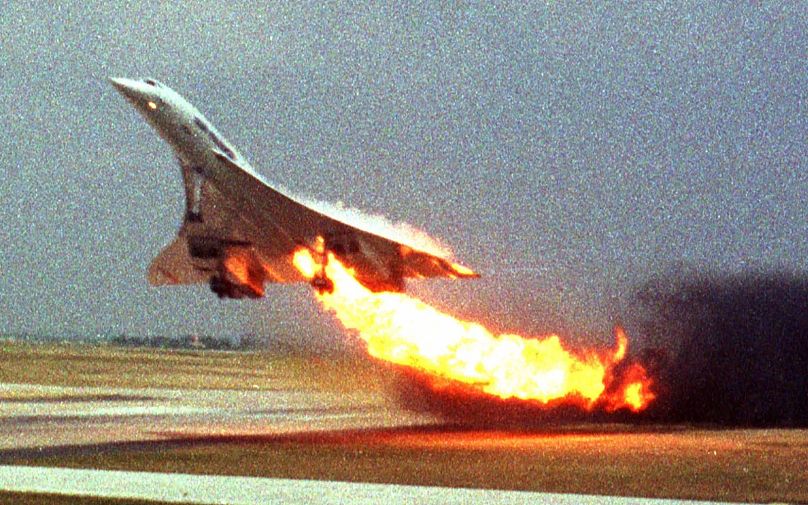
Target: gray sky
{"x":566,"y":151}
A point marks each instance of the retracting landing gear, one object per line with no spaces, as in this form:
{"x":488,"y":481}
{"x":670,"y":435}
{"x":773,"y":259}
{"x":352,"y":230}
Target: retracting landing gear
{"x":195,"y":207}
{"x":322,"y":284}
{"x":320,"y":281}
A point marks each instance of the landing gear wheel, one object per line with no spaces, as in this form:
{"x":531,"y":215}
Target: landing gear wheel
{"x":322,"y":284}
{"x":320,"y":281}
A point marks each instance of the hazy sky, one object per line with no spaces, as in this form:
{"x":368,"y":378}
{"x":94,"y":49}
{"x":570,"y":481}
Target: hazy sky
{"x":567,"y":151}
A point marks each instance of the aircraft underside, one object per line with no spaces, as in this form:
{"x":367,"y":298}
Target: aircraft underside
{"x":237,"y":271}
{"x":239,"y":232}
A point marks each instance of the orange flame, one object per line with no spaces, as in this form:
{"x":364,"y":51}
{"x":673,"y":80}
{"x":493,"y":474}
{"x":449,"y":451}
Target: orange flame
{"x":239,"y":266}
{"x":404,"y":330}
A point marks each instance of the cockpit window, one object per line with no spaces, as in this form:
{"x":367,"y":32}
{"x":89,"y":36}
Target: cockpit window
{"x":152,"y":82}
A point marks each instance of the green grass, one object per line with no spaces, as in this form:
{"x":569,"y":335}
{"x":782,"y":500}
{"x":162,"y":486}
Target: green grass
{"x":107,"y":366}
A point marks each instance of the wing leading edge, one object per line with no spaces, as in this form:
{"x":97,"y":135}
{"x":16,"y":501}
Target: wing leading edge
{"x":242,"y":233}
{"x":239,"y":232}
{"x":381,"y":263}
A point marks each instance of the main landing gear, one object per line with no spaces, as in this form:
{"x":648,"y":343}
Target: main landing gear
{"x":322,"y":284}
{"x":320,"y":281}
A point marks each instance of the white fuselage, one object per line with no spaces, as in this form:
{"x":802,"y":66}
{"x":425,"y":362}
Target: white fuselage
{"x":189,"y":133}
{"x":239,"y":231}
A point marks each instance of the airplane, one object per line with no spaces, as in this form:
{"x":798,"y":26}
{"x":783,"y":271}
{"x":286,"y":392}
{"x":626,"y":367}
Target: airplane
{"x":239,"y":232}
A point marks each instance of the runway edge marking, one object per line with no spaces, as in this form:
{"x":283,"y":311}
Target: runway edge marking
{"x":219,"y":489}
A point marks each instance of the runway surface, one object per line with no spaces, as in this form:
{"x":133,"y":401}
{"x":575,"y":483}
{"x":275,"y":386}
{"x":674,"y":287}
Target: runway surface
{"x":39,"y":418}
{"x":332,"y":436}
{"x":183,"y":488}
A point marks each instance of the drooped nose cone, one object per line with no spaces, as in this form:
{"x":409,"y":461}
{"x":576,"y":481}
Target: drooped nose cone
{"x":127,"y":87}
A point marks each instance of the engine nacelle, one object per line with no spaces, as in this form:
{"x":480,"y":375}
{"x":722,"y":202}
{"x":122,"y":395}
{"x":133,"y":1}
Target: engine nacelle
{"x":370,"y":268}
{"x":393,"y":283}
{"x":226,"y":289}
{"x":237,"y":271}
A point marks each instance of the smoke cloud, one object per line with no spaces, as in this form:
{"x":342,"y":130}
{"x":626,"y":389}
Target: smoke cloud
{"x":723,"y":350}
{"x":731,"y":350}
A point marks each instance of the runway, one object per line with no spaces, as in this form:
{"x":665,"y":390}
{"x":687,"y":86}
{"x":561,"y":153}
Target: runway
{"x":183,"y":488}
{"x":327,"y":432}
{"x":41,"y":420}
{"x":36,"y":418}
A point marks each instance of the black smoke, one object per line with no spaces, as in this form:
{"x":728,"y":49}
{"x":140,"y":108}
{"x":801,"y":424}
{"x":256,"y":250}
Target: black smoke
{"x":729,"y":350}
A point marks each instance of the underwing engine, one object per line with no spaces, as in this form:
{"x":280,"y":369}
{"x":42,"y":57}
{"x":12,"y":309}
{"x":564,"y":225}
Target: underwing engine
{"x":226,"y":289}
{"x":237,"y":269}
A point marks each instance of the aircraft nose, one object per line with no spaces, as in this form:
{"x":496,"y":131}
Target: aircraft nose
{"x":127,"y":87}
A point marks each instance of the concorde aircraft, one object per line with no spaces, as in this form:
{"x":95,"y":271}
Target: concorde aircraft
{"x":239,"y":232}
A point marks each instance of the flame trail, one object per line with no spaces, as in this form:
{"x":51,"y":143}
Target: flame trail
{"x":404,"y":330}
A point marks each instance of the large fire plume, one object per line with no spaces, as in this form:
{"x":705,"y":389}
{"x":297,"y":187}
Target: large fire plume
{"x":406,"y":331}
